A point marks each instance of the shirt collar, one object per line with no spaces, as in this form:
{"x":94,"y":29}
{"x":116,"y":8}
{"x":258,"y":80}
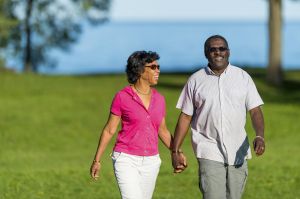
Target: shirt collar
{"x":210,"y":72}
{"x":128,"y":89}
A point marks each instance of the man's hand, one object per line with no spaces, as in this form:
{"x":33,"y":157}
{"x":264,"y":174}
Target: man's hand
{"x":259,"y":145}
{"x":179,"y":162}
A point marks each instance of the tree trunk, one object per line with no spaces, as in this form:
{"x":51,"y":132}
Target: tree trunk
{"x":27,"y":51}
{"x":274,"y":71}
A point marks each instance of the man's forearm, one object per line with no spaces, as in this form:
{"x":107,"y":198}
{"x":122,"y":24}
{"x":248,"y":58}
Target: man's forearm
{"x":257,"y":121}
{"x":181,"y":130}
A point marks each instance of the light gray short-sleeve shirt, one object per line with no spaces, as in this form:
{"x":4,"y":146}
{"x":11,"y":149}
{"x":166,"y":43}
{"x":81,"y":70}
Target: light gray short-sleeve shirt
{"x":219,"y":105}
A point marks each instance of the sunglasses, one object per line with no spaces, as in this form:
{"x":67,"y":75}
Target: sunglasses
{"x":215,"y":49}
{"x":153,"y":67}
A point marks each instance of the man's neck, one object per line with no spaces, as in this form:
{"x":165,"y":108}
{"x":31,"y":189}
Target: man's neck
{"x":217,"y":71}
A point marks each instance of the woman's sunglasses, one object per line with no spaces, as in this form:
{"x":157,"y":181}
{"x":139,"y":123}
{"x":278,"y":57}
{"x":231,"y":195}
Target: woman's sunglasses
{"x":153,"y":67}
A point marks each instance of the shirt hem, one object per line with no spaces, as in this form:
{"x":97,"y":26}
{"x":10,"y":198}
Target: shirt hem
{"x":138,"y":153}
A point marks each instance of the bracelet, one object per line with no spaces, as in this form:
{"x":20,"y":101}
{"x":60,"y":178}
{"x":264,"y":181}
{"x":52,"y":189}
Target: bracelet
{"x":258,"y":136}
{"x":95,"y":161}
{"x":177,"y":151}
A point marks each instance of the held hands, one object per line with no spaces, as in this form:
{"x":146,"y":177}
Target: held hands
{"x":259,"y":145}
{"x":94,"y":170}
{"x":178,"y":161}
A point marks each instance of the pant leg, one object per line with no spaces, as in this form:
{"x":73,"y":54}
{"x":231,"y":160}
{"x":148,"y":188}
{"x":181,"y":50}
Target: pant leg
{"x":127,"y":175}
{"x":212,"y":179}
{"x":236,"y":181}
{"x":148,"y":172}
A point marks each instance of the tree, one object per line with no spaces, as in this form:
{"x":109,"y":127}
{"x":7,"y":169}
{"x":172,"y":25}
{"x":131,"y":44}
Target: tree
{"x":6,"y":23}
{"x":274,"y":70}
{"x":48,"y":24}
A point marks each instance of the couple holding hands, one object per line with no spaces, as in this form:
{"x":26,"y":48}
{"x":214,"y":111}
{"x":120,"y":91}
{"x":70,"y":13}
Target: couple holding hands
{"x":214,"y":103}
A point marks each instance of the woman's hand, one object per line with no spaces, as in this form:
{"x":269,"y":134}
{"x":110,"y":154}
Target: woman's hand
{"x":179,"y":162}
{"x":94,"y":170}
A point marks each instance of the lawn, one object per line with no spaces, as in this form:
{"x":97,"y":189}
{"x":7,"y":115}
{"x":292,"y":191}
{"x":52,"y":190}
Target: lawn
{"x":49,"y":129}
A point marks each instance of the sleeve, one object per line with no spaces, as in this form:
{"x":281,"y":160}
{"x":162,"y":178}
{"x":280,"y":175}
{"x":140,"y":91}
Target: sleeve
{"x":116,"y":105}
{"x":185,"y":101}
{"x":253,"y":98}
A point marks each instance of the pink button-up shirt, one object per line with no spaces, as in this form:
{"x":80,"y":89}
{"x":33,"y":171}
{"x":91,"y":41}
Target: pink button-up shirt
{"x":139,"y":132}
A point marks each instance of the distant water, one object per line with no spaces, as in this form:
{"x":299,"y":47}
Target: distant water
{"x":105,"y":48}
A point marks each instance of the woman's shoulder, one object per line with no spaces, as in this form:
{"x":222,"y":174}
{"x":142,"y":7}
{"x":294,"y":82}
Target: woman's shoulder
{"x":126,"y":90}
{"x":123,"y":94}
{"x":157,"y":94}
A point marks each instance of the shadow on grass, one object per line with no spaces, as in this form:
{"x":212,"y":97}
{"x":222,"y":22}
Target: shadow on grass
{"x":288,"y":92}
{"x":169,"y":85}
{"x":178,"y":82}
{"x":291,"y":85}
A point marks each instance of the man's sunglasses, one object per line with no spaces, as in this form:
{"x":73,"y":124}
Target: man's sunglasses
{"x":215,"y":49}
{"x":153,"y":67}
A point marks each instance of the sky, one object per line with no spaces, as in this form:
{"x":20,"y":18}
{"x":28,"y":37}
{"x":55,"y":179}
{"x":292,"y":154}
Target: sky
{"x":198,"y":10}
{"x":174,"y":10}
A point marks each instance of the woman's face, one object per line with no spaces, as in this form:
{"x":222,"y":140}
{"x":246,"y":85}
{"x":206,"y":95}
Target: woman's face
{"x":151,"y":73}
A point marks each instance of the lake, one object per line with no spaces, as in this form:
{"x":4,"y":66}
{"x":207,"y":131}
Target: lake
{"x":105,"y":48}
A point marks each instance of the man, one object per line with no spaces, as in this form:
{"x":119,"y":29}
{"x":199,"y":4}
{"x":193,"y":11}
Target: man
{"x":215,"y":101}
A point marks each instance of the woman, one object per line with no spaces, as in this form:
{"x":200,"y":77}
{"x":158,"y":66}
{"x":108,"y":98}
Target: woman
{"x":141,"y":109}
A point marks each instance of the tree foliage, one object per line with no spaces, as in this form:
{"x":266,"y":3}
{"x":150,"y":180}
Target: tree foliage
{"x":6,"y":23}
{"x":42,"y":25}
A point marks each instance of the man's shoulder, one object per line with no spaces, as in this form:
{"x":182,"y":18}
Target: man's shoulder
{"x":199,"y":73}
{"x":235,"y":70}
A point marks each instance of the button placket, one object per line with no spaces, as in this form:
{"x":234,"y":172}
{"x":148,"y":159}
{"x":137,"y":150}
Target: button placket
{"x":221,"y":98}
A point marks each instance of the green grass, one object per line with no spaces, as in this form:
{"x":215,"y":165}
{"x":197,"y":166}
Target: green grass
{"x":49,"y":129}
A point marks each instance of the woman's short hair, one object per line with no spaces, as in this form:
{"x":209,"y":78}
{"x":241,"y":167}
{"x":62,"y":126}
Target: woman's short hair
{"x":136,"y":64}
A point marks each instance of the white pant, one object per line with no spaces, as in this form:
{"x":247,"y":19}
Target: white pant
{"x":136,"y":175}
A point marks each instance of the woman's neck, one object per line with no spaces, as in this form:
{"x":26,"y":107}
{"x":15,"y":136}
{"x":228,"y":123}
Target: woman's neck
{"x":143,"y":89}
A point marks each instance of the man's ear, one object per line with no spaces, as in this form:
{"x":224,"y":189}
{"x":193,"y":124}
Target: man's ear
{"x":205,"y":53}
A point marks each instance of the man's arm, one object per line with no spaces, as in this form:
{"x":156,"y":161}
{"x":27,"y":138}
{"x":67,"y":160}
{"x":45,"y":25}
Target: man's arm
{"x":181,"y":130}
{"x":258,"y":125}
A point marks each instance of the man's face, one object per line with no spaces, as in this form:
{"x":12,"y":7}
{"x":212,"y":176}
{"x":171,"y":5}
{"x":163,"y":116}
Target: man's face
{"x":218,"y":54}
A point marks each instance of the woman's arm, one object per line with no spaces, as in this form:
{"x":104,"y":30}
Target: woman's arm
{"x":165,"y":135}
{"x":106,"y":135}
{"x":167,"y":139}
